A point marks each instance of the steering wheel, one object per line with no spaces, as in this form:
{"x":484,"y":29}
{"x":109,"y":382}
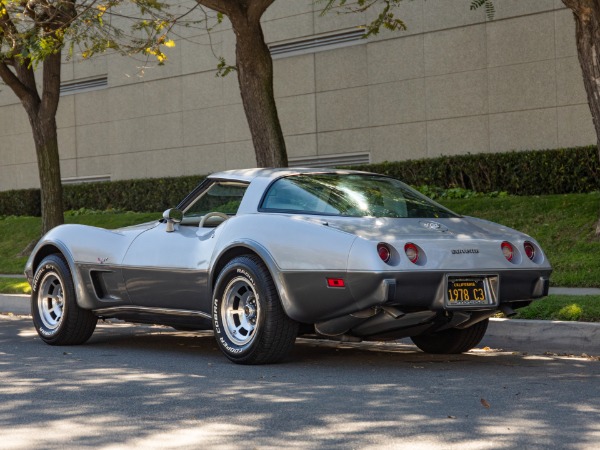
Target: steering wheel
{"x":212,"y":214}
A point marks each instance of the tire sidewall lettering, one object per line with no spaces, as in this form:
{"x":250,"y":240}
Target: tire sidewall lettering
{"x":46,"y":268}
{"x":225,"y":344}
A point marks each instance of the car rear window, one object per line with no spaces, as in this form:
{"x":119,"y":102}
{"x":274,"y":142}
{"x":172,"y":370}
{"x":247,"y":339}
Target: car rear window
{"x":352,"y":195}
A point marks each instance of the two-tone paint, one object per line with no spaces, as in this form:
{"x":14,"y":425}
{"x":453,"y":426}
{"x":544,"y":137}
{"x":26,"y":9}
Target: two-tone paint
{"x":145,"y":273}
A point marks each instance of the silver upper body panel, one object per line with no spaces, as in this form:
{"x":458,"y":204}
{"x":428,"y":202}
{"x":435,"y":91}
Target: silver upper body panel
{"x":147,"y":266}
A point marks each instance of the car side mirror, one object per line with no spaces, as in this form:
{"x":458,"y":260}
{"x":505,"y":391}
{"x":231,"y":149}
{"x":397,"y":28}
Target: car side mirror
{"x":172,"y":216}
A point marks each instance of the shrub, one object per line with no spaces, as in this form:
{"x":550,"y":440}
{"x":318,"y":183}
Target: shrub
{"x":143,"y":195}
{"x":561,"y":171}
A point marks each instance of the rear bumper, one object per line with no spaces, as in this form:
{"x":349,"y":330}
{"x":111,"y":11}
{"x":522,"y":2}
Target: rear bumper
{"x":310,"y":300}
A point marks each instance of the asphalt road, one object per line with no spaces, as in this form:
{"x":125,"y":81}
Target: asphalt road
{"x":149,"y":387}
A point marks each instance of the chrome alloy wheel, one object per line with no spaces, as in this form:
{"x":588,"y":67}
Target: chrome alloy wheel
{"x":51,"y":301}
{"x":240,"y":311}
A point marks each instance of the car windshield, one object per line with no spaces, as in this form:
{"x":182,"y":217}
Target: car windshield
{"x":352,"y":195}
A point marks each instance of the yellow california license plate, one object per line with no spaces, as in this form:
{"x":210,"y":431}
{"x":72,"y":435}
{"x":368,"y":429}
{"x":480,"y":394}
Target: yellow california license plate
{"x":466,"y":291}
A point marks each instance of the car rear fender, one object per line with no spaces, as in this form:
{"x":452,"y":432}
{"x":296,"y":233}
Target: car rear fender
{"x":245,"y":247}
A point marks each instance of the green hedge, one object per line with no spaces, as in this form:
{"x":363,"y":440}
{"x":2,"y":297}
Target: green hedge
{"x":562,"y":171}
{"x":143,"y":195}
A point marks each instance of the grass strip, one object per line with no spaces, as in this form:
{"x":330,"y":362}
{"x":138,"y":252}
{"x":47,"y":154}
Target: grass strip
{"x":14,"y":286}
{"x":580,"y":308}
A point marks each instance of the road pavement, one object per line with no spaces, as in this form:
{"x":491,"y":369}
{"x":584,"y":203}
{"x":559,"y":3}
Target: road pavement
{"x":513,"y":335}
{"x":152,"y":388}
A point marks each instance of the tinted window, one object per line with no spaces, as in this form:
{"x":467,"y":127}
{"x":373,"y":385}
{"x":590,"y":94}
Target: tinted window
{"x":353,"y":195}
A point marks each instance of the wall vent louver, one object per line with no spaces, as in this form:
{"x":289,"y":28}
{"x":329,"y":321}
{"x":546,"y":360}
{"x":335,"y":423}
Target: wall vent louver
{"x":353,"y":159}
{"x":79,"y":86}
{"x":86,"y":179}
{"x":318,"y":43}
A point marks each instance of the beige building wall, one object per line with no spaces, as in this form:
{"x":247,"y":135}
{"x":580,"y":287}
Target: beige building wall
{"x":452,"y":83}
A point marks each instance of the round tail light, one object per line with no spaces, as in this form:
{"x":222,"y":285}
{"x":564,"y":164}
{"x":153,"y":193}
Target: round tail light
{"x":507,"y":250}
{"x":529,"y":250}
{"x":384,"y":251}
{"x":412,"y":252}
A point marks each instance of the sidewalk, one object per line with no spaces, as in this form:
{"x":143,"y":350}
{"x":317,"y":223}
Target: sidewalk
{"x":532,"y":336}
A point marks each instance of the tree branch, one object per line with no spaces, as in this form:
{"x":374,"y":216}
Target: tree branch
{"x":257,"y":8}
{"x":14,"y":83}
{"x":226,"y":7}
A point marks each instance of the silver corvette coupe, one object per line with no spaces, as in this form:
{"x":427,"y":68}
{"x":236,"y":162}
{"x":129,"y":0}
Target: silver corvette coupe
{"x":261,"y":256}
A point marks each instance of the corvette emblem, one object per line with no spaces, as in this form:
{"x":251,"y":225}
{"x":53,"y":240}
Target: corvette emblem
{"x":102,"y":260}
{"x":435,"y":226}
{"x":459,"y":251}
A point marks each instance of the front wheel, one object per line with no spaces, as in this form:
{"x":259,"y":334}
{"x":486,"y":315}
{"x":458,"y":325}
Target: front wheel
{"x":56,"y":316}
{"x":249,"y":322}
{"x":452,"y":341}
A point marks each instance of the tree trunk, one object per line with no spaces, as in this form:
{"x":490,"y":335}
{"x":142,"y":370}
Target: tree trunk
{"x":587,"y":35}
{"x":255,"y":75}
{"x":46,"y":148}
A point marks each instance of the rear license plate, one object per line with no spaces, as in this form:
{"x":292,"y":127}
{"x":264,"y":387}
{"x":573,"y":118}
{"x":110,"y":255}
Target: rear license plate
{"x":466,"y":291}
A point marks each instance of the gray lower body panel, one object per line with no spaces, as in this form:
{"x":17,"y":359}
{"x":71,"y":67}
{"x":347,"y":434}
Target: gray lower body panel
{"x":310,"y":300}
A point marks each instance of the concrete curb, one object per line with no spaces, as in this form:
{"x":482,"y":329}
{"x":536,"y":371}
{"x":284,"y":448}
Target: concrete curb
{"x":14,"y":303}
{"x":532,"y":336}
{"x":543,"y":336}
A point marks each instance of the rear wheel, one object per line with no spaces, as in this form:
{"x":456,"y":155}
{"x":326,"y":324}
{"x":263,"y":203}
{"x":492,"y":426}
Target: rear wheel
{"x":250,"y":324}
{"x":56,"y":316}
{"x":453,"y":340}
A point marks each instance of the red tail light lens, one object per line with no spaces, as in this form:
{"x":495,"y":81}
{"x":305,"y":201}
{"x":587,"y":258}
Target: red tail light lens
{"x":412,"y":252}
{"x":507,"y":250}
{"x":529,"y":250}
{"x":336,"y":282}
{"x":384,"y":252}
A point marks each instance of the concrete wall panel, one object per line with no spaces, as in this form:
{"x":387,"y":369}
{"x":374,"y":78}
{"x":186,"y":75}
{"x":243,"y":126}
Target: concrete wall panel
{"x":565,"y":33}
{"x":203,"y":126}
{"x":203,"y":159}
{"x":395,"y":59}
{"x":343,"y":109}
{"x":301,"y":145}
{"x":398,"y":142}
{"x":455,"y":50}
{"x":399,"y":102}
{"x":347,"y":141}
{"x":457,"y":136}
{"x":343,"y":68}
{"x":575,"y":126}
{"x":67,"y":143}
{"x":201,"y":90}
{"x":519,"y":40}
{"x":458,"y":94}
{"x":293,"y":76}
{"x":569,"y":82}
{"x":443,"y":14}
{"x":94,"y":165}
{"x":239,"y":155}
{"x":515,"y":8}
{"x":522,"y":86}
{"x":297,"y":114}
{"x":88,"y":108}
{"x":523,"y":130}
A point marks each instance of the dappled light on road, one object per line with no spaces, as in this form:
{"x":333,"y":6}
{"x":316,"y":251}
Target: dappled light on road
{"x":151,"y":387}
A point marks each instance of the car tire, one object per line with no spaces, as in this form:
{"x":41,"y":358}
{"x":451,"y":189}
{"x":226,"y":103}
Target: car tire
{"x":56,"y":316}
{"x":452,"y":341}
{"x":249,"y":322}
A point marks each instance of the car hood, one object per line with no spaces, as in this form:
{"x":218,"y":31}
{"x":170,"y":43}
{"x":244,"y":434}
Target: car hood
{"x":384,"y":228}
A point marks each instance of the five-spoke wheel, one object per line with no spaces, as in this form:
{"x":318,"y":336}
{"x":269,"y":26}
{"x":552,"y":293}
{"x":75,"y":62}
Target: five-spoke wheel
{"x":250,"y":324}
{"x":57,"y":317}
